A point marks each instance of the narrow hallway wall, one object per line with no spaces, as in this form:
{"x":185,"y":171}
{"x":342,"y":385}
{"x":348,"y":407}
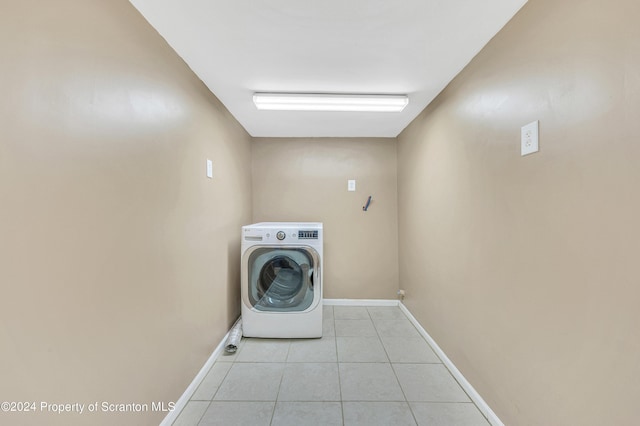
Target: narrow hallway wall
{"x":525,"y":269}
{"x":119,"y":259}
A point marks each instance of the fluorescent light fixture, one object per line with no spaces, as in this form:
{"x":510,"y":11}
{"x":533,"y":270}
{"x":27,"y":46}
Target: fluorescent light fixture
{"x":327,"y":102}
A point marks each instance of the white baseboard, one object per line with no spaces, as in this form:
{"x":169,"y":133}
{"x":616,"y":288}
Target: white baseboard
{"x":191,"y":389}
{"x":473,"y":394}
{"x":360,"y":302}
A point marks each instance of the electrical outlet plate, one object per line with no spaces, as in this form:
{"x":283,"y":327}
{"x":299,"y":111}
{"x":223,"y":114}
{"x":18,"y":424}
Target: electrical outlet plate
{"x":529,"y":139}
{"x":351,"y":185}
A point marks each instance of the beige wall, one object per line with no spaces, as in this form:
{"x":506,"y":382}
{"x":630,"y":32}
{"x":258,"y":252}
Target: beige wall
{"x":525,"y":269}
{"x":306,"y":180}
{"x":118,"y":258}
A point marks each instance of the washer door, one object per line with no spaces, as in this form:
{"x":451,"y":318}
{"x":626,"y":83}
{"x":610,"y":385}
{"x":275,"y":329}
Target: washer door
{"x":281,"y":278}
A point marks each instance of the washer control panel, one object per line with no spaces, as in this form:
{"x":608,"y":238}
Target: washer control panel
{"x":307,"y":234}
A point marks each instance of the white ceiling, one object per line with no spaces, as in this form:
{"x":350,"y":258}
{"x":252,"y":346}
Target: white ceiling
{"x":413,"y":47}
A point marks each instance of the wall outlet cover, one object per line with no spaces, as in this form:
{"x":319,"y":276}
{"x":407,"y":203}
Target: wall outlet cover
{"x":529,"y":139}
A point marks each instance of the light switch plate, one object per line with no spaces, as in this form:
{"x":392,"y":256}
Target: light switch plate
{"x":351,"y":185}
{"x":209,"y":169}
{"x":529,"y":139}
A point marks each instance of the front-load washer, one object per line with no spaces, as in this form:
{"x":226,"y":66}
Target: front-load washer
{"x":281,"y":280}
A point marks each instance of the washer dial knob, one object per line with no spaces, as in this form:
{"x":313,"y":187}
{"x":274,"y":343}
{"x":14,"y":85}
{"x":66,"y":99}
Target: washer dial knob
{"x":280,"y":235}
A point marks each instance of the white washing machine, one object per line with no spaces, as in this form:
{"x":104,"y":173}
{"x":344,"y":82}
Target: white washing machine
{"x":282,"y":280}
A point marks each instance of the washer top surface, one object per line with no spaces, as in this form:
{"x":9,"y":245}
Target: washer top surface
{"x":286,"y":225}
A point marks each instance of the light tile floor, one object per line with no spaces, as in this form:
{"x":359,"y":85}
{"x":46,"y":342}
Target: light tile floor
{"x":371,"y":367}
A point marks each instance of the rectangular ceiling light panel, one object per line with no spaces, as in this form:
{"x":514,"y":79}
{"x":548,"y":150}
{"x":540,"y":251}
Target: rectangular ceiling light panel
{"x":325,"y":102}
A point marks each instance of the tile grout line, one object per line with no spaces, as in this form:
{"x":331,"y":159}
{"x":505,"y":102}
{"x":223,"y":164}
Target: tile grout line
{"x":406,"y":401}
{"x":284,"y":368}
{"x":214,"y":394}
{"x":410,"y":363}
{"x":380,"y":339}
{"x":335,"y":338}
{"x":221,"y":381}
{"x":203,"y":413}
{"x":204,"y":400}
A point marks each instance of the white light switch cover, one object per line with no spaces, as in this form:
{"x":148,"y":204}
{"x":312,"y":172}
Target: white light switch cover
{"x":209,"y":169}
{"x":351,"y":185}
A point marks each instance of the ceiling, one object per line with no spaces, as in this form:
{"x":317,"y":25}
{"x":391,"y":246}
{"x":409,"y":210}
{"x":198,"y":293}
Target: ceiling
{"x":412,"y":47}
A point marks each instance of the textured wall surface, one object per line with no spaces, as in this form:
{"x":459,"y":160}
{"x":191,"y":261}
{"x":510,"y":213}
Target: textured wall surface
{"x":524,"y":269}
{"x":119,"y":259}
{"x":306,"y":180}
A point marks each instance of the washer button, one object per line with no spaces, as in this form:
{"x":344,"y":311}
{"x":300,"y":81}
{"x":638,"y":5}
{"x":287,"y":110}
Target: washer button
{"x":281,"y":235}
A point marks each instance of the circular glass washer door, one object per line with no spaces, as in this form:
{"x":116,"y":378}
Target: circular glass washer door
{"x":281,"y":279}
